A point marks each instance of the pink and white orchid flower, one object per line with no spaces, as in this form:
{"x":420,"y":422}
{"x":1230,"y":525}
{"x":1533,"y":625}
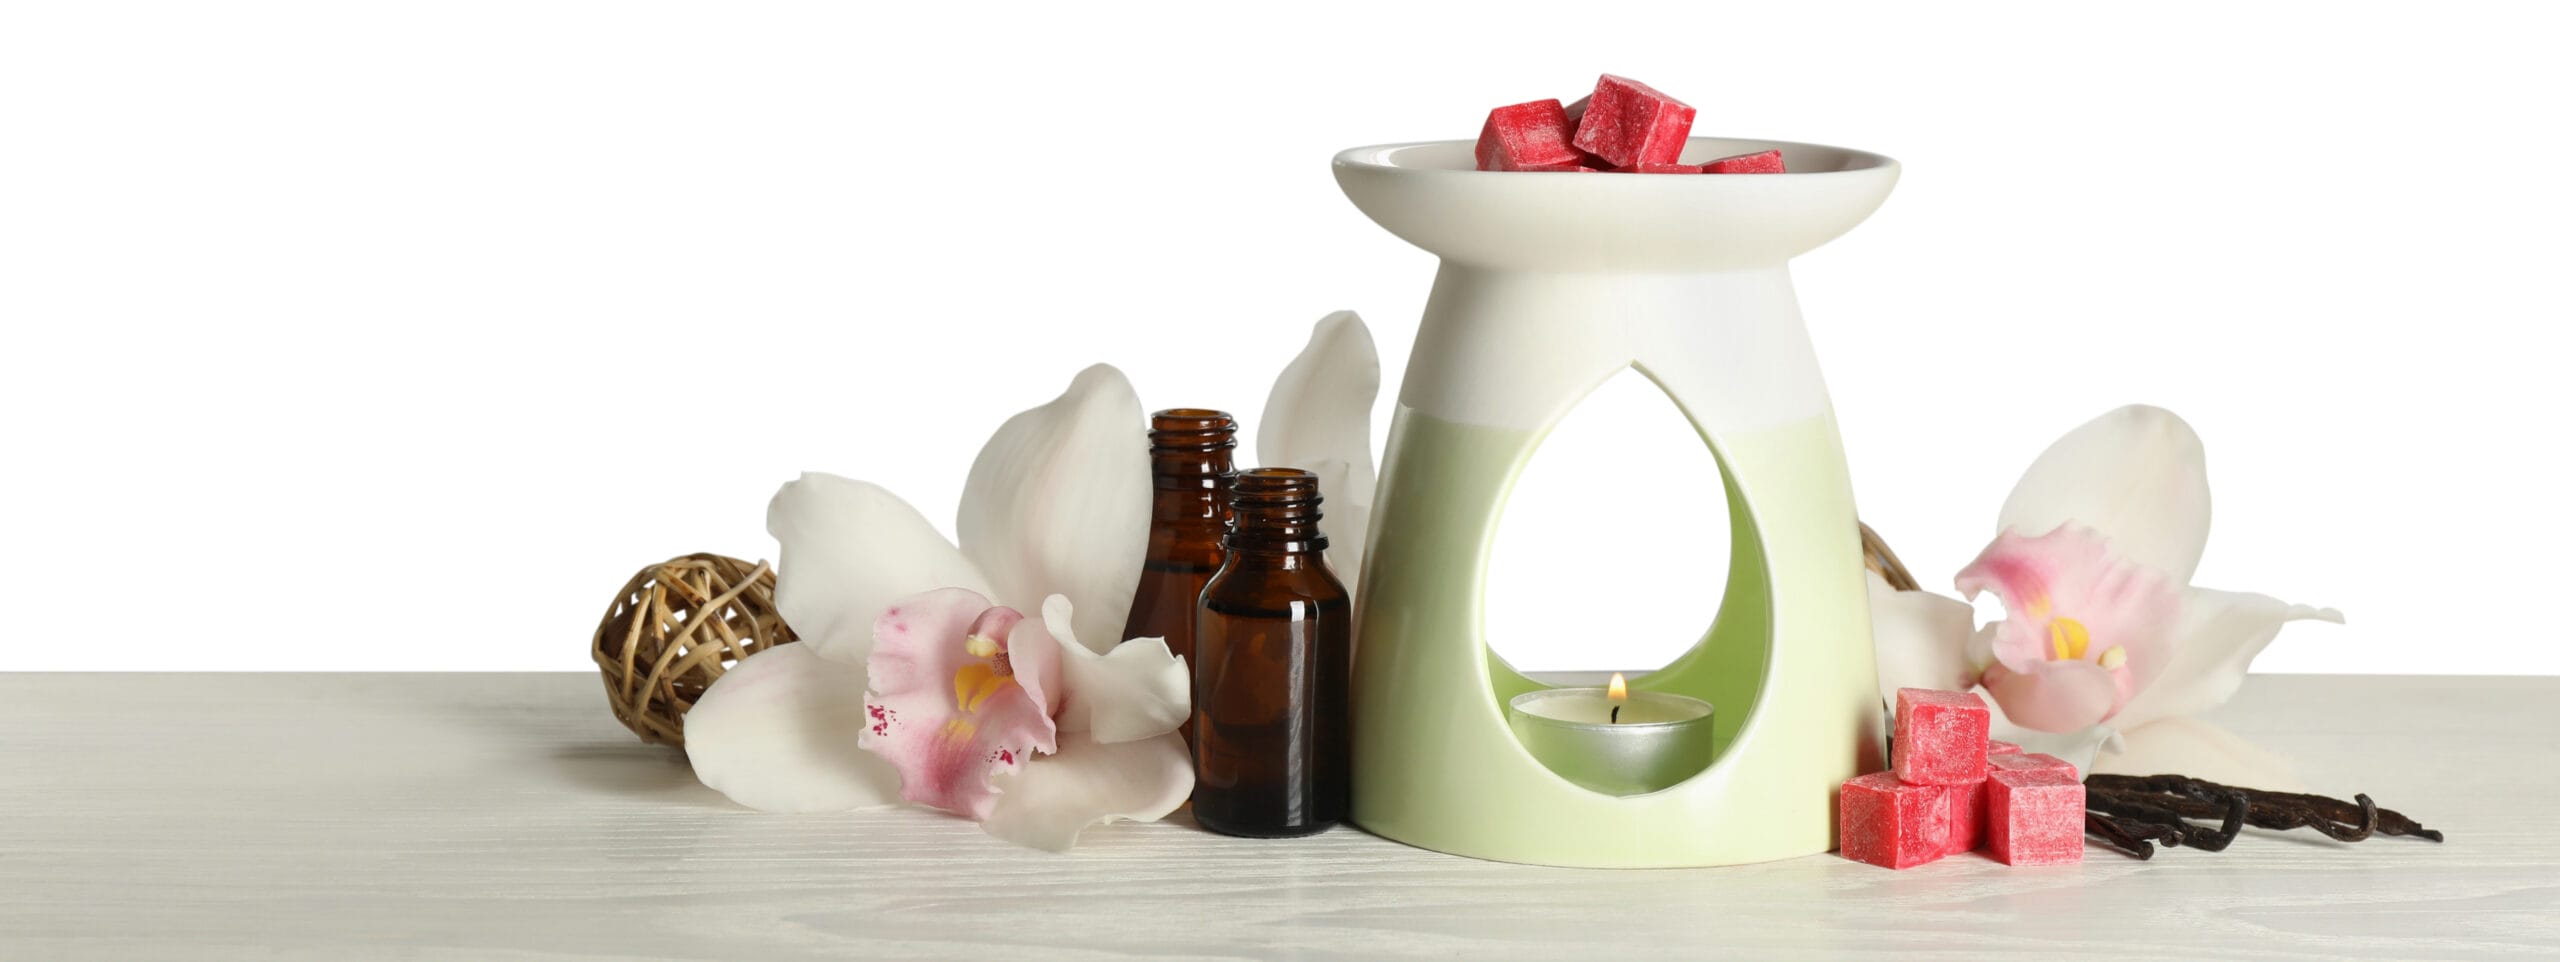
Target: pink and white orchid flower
{"x":1056,"y":507}
{"x":2104,"y":643}
{"x":964,"y":690}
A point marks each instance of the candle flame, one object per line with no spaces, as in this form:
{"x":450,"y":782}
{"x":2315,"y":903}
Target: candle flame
{"x":1617,"y":688}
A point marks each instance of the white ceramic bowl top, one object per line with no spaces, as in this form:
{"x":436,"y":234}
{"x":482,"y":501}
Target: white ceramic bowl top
{"x":1431,"y":195}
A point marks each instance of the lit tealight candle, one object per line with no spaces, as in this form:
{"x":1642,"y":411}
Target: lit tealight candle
{"x":1616,"y":741}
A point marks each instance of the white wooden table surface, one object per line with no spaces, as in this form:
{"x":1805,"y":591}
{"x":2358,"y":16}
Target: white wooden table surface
{"x":508,"y":817}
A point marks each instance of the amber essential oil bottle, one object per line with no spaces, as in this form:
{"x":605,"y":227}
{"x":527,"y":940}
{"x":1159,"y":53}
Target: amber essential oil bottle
{"x":1271,"y":673}
{"x":1194,"y":454}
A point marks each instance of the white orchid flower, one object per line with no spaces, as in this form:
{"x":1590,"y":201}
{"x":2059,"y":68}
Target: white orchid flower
{"x":2105,"y":643}
{"x":1056,"y":507}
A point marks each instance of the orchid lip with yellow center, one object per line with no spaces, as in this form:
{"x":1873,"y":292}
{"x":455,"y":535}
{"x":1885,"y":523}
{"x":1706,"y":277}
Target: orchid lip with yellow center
{"x":2086,"y":627}
{"x":2070,"y":641}
{"x":972,"y":684}
{"x":963,"y":696}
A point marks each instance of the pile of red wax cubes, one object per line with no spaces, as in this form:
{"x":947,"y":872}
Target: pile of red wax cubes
{"x":1952,"y":788}
{"x":1624,"y":127}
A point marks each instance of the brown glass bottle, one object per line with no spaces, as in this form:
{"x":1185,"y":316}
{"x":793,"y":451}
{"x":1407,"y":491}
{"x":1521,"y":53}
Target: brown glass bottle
{"x":1271,"y":693}
{"x":1194,"y":452}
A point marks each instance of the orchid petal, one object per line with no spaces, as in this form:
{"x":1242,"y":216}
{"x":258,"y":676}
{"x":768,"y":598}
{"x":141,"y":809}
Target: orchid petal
{"x":946,"y":713}
{"x":2136,"y":474}
{"x":778,"y":732}
{"x":1136,"y":690}
{"x":2199,"y":749}
{"x":1345,"y":525}
{"x":1317,"y":419}
{"x":2219,"y":634}
{"x":1059,"y":503}
{"x":2070,"y":597}
{"x":1921,"y":639}
{"x":849,"y":548}
{"x":2053,"y":696}
{"x":1049,"y":802}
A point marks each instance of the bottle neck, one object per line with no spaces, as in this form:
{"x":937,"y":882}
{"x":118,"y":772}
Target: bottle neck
{"x":1192,"y":452}
{"x":1273,"y":560}
{"x":1185,"y":471}
{"x":1276,"y":516}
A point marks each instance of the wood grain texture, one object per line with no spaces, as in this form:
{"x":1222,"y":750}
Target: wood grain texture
{"x":507,"y":816}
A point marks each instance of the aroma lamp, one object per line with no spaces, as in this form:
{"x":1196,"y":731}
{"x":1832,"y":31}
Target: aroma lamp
{"x":1549,"y":285}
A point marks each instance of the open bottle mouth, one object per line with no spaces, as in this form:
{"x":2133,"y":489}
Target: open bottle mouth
{"x":1192,"y":429}
{"x":1277,"y":509}
{"x":1191,"y":450}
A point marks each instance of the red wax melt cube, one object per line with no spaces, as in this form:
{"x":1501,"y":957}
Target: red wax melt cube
{"x":1764,"y":162}
{"x":1887,"y":821}
{"x":1525,"y":135}
{"x":2036,"y":816}
{"x":1999,"y":747}
{"x":1628,"y":123}
{"x":1661,"y":169}
{"x":2021,"y":762}
{"x":1573,"y":125}
{"x":1939,"y":737}
{"x":1966,"y":805}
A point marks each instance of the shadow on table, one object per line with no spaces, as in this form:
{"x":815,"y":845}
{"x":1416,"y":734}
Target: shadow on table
{"x":556,"y":725}
{"x":649,"y":772}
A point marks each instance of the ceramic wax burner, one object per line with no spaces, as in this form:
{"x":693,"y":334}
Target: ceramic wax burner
{"x":1549,"y":285}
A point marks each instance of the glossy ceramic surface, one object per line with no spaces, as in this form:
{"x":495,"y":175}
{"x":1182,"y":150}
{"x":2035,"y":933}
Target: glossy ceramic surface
{"x":1550,"y":284}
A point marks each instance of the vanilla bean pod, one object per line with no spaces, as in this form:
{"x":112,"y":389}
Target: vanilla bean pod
{"x":2382,"y":821}
{"x":2158,"y":797}
{"x":2282,"y":817}
{"x":2146,"y":820}
{"x":2364,"y":828}
{"x":2176,"y":830}
{"x":2140,"y":832}
{"x":2336,"y":818}
{"x":2106,"y":829}
{"x":2235,"y":813}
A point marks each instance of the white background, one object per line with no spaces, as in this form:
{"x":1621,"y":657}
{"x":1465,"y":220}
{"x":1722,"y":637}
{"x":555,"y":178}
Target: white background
{"x":366,"y":335}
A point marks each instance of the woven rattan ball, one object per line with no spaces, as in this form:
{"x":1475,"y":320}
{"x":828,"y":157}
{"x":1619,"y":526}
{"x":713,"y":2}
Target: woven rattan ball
{"x":674,"y":629}
{"x":1881,"y":560}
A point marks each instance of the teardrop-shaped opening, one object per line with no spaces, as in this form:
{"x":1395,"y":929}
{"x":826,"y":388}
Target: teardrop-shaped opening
{"x":1626,"y":547}
{"x":1612,"y":548}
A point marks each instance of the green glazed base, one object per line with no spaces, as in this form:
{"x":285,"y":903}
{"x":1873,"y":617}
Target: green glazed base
{"x":1789,"y":665}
